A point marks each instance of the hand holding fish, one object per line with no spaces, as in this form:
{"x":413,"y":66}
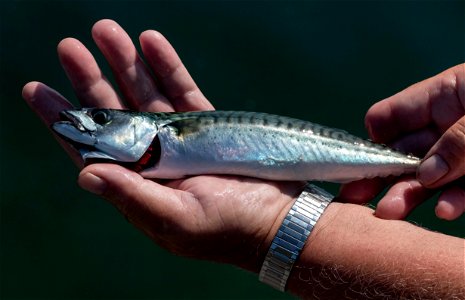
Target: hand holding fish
{"x":234,"y":219}
{"x":181,"y":215}
{"x":427,"y":119}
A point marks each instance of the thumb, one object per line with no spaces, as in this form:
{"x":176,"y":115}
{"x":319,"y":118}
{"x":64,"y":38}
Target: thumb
{"x":141,"y":201}
{"x":111,"y":181}
{"x":445,"y":161}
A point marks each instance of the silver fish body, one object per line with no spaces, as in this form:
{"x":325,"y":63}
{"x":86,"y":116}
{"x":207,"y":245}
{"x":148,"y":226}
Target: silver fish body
{"x":243,"y":143}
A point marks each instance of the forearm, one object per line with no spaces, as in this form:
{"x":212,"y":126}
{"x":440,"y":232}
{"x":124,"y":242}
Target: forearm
{"x":353,"y":254}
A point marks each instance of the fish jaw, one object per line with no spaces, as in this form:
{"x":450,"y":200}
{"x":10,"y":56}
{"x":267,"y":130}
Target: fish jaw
{"x":119,"y":135}
{"x":72,"y":133}
{"x":81,"y":139}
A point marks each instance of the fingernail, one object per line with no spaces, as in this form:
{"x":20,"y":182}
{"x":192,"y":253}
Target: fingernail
{"x":445,"y":210}
{"x":92,"y":183}
{"x":441,"y":211}
{"x":432,"y":169}
{"x":451,"y":203}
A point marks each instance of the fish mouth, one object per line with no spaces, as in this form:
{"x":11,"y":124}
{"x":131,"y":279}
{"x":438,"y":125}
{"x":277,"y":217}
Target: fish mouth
{"x":75,"y":129}
{"x":79,"y":118}
{"x":78,"y":129}
{"x":69,"y":118}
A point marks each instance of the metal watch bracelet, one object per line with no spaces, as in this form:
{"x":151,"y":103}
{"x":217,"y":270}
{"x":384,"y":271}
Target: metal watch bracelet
{"x":292,"y":235}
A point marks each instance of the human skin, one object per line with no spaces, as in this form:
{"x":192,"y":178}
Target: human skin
{"x":354,"y":255}
{"x":234,"y":219}
{"x":427,"y":119}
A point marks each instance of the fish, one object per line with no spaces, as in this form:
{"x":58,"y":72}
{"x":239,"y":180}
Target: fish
{"x":181,"y":144}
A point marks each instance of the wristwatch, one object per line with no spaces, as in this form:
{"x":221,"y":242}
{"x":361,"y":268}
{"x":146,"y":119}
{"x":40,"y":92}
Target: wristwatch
{"x":292,"y":235}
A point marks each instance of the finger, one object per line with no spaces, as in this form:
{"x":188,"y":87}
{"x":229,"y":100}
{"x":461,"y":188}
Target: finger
{"x":401,"y":199}
{"x":44,"y":101}
{"x":90,"y":86}
{"x":47,"y":104}
{"x":445,"y":161}
{"x":148,"y":205}
{"x":131,"y":74}
{"x":451,"y":203}
{"x":361,"y":191}
{"x":438,"y":100}
{"x":173,"y":76}
{"x":417,"y":142}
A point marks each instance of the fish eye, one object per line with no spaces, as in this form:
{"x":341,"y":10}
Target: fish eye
{"x":101,"y":117}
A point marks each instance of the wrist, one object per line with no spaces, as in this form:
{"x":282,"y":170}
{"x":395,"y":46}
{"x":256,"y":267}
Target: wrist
{"x":265,"y":246}
{"x":275,"y":208}
{"x":292,"y":235}
{"x":326,"y":250}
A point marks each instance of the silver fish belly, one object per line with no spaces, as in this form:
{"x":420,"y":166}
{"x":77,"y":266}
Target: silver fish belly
{"x":269,"y":147}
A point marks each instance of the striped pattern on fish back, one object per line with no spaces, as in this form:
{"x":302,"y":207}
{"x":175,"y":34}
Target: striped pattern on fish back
{"x":237,"y":118}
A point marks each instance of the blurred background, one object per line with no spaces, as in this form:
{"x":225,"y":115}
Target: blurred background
{"x":326,"y":62}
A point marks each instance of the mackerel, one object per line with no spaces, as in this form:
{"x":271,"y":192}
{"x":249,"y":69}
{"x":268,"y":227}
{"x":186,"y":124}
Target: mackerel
{"x":176,"y":145}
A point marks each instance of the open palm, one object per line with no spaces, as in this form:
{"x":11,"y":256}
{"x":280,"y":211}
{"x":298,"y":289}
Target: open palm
{"x":221,"y":218}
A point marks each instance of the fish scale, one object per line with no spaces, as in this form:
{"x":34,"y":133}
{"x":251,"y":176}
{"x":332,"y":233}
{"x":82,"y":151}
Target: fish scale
{"x":237,"y":143}
{"x":292,"y":150}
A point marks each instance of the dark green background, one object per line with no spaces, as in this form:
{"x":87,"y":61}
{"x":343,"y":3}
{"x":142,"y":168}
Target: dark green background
{"x":322,"y":61}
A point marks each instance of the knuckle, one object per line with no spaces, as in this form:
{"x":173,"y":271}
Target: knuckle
{"x":454,"y":146}
{"x":456,"y":137}
{"x":458,"y":131}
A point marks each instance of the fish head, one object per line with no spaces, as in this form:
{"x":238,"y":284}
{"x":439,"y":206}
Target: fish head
{"x":117,"y":135}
